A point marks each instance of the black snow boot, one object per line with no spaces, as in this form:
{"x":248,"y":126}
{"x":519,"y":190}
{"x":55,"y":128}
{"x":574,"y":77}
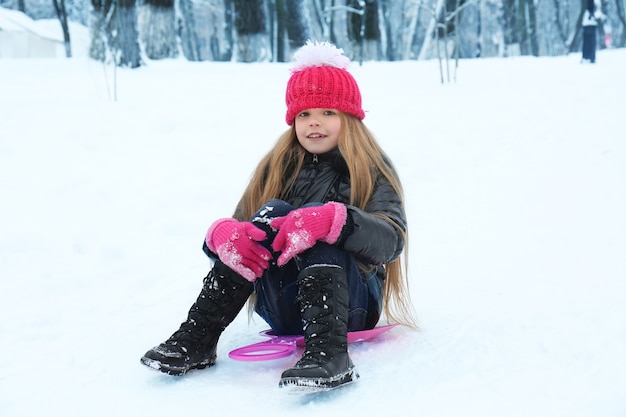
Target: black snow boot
{"x":193,"y":345}
{"x":324,"y":299}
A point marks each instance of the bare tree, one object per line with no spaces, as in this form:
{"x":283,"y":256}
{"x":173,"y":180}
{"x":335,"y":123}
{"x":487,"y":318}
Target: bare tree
{"x":575,"y":41}
{"x":270,"y":30}
{"x":561,"y":20}
{"x":125,"y":38}
{"x":432,"y":28}
{"x":521,"y":17}
{"x":413,"y":11}
{"x":336,"y":13}
{"x":530,"y":26}
{"x":188,"y":35}
{"x":520,"y":27}
{"x":114,"y":32}
{"x":291,"y":30}
{"x":252,"y":37}
{"x":157,"y":23}
{"x":621,"y":13}
{"x":59,"y":7}
{"x":295,"y":24}
{"x":101,"y":13}
{"x":205,"y":28}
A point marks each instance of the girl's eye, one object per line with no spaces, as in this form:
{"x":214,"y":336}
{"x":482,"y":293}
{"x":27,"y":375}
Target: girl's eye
{"x":329,"y":112}
{"x":303,"y":114}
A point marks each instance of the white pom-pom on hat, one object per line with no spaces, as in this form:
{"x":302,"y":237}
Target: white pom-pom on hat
{"x":318,"y":54}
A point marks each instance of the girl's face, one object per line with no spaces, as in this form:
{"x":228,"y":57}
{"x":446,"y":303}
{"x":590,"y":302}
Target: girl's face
{"x":318,"y":129}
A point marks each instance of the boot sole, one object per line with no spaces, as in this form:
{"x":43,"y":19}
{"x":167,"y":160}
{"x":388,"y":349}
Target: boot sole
{"x":311,"y":385}
{"x":175,"y":370}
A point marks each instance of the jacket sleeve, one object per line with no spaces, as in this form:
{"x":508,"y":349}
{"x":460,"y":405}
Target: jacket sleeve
{"x":372,"y":238}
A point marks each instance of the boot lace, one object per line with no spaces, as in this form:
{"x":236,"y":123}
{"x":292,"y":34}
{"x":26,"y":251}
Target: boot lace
{"x":313,"y":300}
{"x":192,"y":331}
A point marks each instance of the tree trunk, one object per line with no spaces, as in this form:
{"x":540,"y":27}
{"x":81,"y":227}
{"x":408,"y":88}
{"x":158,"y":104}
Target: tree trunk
{"x":277,"y":29}
{"x":126,"y":37}
{"x":158,"y":29}
{"x":114,"y":32}
{"x":408,"y":35}
{"x":621,"y":13}
{"x":229,"y":24}
{"x":561,"y":27}
{"x":101,"y":13}
{"x":432,"y":30}
{"x":576,"y":40}
{"x":297,"y":31}
{"x":252,"y":40}
{"x":531,"y":27}
{"x":188,"y":36}
{"x":59,"y":7}
{"x":521,"y":28}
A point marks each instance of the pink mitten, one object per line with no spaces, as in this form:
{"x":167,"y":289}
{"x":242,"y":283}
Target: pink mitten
{"x":301,"y":228}
{"x":237,"y":245}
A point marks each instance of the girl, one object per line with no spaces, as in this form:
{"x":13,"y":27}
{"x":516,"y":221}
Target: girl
{"x":315,"y":238}
{"x":591,"y":16}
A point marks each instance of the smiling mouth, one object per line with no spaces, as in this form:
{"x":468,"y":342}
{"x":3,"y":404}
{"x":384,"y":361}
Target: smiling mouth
{"x":316,"y":136}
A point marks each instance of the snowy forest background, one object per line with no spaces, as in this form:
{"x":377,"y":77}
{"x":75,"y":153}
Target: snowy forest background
{"x":128,"y":32}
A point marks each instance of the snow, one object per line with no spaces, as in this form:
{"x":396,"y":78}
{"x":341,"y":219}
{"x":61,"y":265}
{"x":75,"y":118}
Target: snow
{"x":45,"y":40}
{"x":13,"y":20}
{"x":515,"y":188}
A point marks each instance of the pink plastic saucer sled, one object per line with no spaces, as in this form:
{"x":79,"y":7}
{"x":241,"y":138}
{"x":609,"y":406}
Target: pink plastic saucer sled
{"x":282,"y":346}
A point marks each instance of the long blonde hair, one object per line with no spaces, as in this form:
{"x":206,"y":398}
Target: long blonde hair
{"x":365,"y":159}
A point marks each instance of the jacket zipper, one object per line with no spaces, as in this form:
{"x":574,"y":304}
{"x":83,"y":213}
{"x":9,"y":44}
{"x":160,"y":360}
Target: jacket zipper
{"x":315,"y":160}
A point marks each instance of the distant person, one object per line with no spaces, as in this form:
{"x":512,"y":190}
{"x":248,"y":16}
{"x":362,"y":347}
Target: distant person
{"x":316,"y":237}
{"x":590,"y":29}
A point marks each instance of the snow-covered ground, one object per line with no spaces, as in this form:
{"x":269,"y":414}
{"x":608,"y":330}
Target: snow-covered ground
{"x":515,"y":179}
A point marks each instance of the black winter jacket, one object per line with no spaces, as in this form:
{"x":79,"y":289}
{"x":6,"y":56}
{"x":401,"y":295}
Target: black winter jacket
{"x":371,"y":239}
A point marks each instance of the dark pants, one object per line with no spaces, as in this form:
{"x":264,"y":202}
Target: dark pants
{"x":277,"y":289}
{"x":589,"y":43}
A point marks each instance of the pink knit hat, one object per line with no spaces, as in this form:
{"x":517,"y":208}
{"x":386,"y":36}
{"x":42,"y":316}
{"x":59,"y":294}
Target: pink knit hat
{"x":319,"y":79}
